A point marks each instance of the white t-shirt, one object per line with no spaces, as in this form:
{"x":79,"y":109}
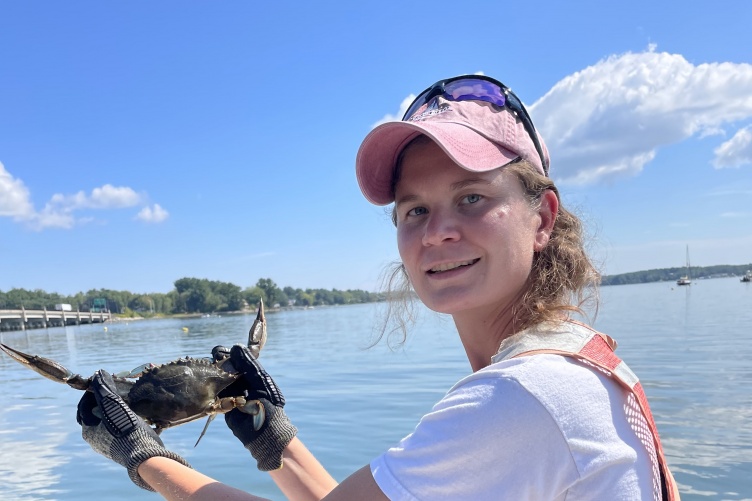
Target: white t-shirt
{"x":542,"y":427}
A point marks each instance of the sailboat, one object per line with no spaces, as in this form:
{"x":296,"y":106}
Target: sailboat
{"x":685,"y":280}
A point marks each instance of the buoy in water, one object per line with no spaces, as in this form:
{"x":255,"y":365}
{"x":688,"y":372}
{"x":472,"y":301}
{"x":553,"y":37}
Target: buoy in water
{"x":185,"y":329}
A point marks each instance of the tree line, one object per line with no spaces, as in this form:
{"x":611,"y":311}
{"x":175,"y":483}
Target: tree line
{"x":671,"y":274}
{"x":190,"y":295}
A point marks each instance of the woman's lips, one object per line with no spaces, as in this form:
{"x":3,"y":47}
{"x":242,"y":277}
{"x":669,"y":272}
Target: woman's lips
{"x":444,"y":267}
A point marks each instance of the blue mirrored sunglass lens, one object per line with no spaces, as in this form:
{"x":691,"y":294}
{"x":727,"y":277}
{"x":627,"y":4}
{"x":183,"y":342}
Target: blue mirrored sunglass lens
{"x":481,"y":90}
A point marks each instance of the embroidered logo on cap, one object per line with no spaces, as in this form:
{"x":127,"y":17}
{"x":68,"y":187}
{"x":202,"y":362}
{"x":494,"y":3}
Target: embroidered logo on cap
{"x":433,"y":109}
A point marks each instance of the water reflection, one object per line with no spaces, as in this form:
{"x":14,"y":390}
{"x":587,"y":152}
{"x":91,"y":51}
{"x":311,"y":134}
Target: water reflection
{"x":30,"y":454}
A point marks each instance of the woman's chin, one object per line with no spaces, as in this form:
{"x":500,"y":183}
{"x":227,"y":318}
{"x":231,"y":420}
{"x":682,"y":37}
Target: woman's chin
{"x":447,"y":302}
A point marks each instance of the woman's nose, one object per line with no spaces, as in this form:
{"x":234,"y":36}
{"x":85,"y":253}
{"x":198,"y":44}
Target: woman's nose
{"x":440,"y":228}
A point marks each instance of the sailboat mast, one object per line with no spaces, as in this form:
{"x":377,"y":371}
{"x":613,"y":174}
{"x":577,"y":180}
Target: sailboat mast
{"x":688,"y":276}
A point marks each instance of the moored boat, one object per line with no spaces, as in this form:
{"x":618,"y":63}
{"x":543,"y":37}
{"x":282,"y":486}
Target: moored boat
{"x":685,"y":280}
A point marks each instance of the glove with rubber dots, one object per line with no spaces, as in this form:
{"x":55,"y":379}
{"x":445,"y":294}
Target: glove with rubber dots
{"x":113,"y":430}
{"x":264,"y":435}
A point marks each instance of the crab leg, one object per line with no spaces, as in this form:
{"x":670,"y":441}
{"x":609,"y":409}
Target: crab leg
{"x":47,"y":368}
{"x":255,"y":408}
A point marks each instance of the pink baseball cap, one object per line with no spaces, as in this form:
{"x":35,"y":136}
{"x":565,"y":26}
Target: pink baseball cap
{"x":477,"y":135}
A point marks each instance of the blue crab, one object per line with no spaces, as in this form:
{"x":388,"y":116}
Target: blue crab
{"x":174,"y":393}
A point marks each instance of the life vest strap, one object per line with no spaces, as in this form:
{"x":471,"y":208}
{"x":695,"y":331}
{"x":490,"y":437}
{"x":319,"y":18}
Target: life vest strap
{"x":598,"y":351}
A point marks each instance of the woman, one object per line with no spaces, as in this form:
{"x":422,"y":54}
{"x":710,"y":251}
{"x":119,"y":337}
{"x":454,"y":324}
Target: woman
{"x":549,"y":411}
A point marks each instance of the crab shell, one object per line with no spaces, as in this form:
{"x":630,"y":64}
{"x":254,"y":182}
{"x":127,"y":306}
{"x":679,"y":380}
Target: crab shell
{"x":177,"y":392}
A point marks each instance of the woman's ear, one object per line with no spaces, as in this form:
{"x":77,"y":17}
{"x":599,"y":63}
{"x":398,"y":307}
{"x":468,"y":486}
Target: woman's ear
{"x":549,"y":208}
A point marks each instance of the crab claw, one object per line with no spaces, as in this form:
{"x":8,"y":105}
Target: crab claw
{"x":47,"y":368}
{"x":257,"y":334}
{"x":256,"y":409}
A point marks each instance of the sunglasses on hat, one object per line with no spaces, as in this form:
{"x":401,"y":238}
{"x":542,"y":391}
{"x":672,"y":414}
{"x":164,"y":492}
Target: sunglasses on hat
{"x":479,"y":88}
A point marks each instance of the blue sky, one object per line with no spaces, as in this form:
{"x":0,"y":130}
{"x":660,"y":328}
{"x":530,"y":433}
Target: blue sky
{"x":143,"y":142}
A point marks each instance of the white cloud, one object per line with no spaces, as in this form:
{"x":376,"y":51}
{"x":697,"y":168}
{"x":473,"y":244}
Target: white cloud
{"x":106,"y":197}
{"x":729,"y":192}
{"x":609,"y":119}
{"x":735,"y":152}
{"x":110,"y":197}
{"x":49,"y":218}
{"x":154,"y":214}
{"x":744,"y":215}
{"x":400,"y":113}
{"x":58,"y":212}
{"x":14,"y":197}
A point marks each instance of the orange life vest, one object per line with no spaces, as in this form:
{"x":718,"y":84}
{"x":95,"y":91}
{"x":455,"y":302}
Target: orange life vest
{"x":597,"y":349}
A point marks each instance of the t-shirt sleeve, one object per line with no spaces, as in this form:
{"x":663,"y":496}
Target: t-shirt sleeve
{"x":488,"y":438}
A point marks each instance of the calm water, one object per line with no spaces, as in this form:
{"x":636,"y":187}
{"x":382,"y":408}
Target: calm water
{"x":690,"y":346}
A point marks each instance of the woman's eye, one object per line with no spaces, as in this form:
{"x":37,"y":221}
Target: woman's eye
{"x":417,"y":211}
{"x":471,"y":199}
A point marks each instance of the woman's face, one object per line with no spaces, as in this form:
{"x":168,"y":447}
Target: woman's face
{"x":465,"y":238}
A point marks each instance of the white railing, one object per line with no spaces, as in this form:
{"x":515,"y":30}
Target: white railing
{"x":29,"y":319}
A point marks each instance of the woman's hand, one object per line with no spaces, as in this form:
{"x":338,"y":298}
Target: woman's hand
{"x":266,"y":440}
{"x":113,"y":430}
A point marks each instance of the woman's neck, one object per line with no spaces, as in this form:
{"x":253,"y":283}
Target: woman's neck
{"x":482,"y":330}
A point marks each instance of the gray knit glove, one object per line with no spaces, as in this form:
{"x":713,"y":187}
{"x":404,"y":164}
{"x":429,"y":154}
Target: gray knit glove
{"x":113,"y":430}
{"x":265,"y":440}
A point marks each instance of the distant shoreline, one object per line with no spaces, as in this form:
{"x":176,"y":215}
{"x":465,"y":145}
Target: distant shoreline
{"x":120,"y":318}
{"x":672,"y":274}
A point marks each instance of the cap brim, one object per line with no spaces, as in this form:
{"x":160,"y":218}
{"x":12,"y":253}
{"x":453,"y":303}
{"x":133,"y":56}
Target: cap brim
{"x":377,"y":156}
